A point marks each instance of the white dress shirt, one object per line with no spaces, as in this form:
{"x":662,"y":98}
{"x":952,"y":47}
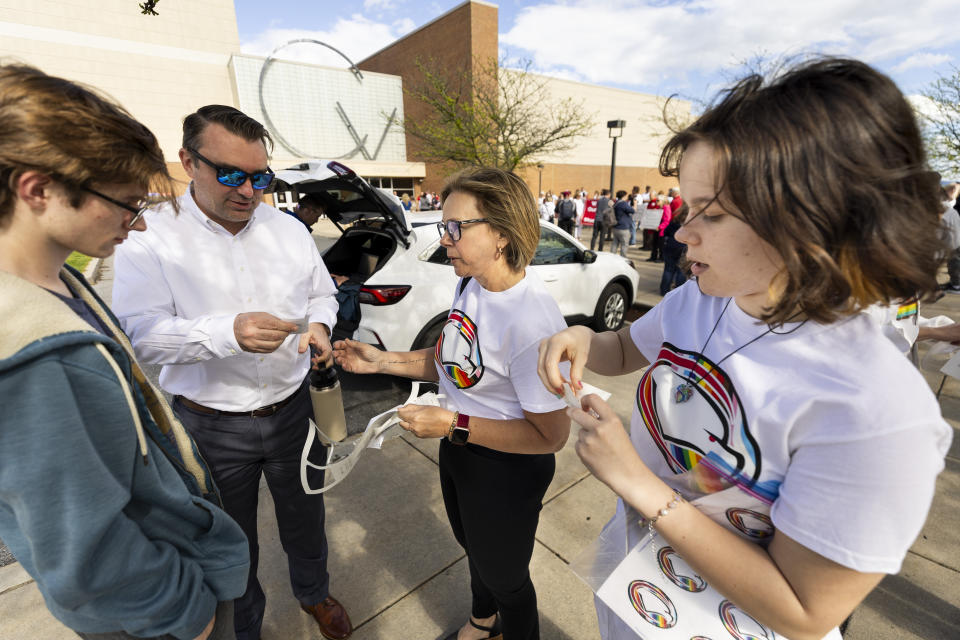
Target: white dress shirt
{"x":179,"y":285}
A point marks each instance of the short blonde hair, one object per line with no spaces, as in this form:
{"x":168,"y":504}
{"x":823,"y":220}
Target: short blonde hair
{"x":506,"y":201}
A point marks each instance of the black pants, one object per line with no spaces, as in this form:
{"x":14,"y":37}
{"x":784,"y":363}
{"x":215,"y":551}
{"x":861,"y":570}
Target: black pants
{"x":238,"y":450}
{"x":597,"y":236}
{"x":493,"y":501}
{"x":656,"y":253}
{"x":567,"y":225}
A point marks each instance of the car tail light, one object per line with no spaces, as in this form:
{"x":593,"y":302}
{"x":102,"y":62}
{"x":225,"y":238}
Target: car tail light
{"x":383,"y":295}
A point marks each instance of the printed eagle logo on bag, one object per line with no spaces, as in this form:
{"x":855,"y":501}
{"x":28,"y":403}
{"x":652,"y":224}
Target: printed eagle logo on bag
{"x":458,"y":351}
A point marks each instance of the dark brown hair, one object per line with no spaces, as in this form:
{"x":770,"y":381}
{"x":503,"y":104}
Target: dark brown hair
{"x":233,"y":120}
{"x":73,"y":134}
{"x":826,"y":164}
{"x":506,"y":201}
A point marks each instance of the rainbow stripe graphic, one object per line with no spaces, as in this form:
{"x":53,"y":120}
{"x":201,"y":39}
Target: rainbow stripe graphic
{"x":907,"y":309}
{"x":726,"y":611}
{"x":693,"y":584}
{"x":465,"y":348}
{"x":736,"y":516}
{"x":713,"y":466}
{"x":635,"y":592}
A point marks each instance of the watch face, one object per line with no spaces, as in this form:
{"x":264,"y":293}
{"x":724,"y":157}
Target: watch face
{"x":459,"y":435}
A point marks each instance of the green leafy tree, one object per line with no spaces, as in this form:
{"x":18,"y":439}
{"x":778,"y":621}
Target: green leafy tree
{"x":940,"y":116}
{"x":148,"y":8}
{"x":489,"y":115}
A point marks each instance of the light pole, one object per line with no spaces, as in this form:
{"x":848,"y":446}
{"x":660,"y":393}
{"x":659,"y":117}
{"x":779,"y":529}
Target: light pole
{"x":540,"y":180}
{"x":616,"y":130}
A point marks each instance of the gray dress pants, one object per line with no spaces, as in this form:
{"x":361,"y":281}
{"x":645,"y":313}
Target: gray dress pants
{"x":239,"y":449}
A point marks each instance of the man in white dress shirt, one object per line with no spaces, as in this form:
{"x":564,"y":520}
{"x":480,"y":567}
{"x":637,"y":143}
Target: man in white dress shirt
{"x":213,"y":294}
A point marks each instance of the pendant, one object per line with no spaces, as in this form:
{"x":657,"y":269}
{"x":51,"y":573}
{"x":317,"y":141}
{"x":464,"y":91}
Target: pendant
{"x":683,"y":392}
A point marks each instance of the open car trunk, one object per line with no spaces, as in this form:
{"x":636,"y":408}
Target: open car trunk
{"x":377,"y":226}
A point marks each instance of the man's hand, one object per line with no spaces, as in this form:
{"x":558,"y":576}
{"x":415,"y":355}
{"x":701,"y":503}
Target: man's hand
{"x":260,"y":332}
{"x":319,"y":336}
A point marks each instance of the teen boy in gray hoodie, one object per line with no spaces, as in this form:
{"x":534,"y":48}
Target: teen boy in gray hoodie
{"x":104,"y":499}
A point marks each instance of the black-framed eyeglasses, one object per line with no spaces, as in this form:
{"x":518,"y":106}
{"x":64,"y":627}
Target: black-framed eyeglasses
{"x":232,"y":177}
{"x":453,"y":227}
{"x":138,"y":210}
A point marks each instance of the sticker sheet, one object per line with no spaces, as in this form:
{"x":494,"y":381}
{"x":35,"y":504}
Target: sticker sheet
{"x":660,"y":597}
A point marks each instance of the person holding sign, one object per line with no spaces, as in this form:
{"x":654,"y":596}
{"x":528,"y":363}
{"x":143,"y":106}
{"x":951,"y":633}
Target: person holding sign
{"x":768,"y":396}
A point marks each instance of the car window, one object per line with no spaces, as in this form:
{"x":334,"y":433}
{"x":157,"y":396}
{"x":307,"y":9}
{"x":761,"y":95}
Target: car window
{"x":554,"y":249}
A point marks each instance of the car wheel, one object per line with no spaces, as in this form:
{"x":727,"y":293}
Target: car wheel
{"x":427,"y":339}
{"x":611,"y":308}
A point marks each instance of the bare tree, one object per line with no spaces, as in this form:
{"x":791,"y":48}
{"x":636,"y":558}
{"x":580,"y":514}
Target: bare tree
{"x":940,"y":117}
{"x":489,"y":115}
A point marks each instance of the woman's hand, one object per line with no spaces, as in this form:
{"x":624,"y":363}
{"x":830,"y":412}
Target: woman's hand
{"x":357,"y":357}
{"x":604,"y":445}
{"x":425,"y":422}
{"x":570,"y":345}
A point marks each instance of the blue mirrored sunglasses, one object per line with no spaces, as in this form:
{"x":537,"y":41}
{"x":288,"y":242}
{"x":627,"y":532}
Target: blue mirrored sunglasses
{"x":235,"y":177}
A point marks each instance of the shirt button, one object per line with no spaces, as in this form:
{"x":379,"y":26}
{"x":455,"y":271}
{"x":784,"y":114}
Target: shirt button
{"x":264,"y":386}
{"x":249,"y":299}
{"x":261,"y":359}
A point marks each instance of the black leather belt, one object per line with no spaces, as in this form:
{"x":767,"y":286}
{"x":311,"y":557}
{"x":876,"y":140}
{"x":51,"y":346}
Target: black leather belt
{"x":262,"y":412}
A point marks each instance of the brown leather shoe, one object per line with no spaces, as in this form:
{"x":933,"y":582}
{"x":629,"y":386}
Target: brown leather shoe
{"x":331,"y":617}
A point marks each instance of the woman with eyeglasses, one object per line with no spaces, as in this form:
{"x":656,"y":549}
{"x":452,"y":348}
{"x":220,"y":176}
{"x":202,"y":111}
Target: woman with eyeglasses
{"x":498,"y":427}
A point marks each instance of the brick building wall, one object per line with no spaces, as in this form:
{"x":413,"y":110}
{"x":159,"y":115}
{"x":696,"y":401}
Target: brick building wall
{"x":457,"y":38}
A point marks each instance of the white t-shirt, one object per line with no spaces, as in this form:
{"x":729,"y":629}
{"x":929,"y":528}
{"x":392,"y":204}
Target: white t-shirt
{"x":827,"y":426}
{"x":825,"y":432}
{"x":487,"y":353}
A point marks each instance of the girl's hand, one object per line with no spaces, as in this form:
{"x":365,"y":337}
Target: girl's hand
{"x":604,"y":445}
{"x":570,"y":345}
{"x":425,"y":422}
{"x":357,"y":357}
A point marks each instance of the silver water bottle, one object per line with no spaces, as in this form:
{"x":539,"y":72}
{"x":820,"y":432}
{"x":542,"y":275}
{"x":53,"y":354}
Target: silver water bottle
{"x":328,"y":403}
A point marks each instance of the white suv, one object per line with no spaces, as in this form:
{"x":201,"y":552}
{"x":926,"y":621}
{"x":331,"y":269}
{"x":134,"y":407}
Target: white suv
{"x":405,"y":281}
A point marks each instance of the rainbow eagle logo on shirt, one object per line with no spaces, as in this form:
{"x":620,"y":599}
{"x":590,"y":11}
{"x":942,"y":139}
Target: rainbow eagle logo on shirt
{"x":458,"y":351}
{"x":704,"y":431}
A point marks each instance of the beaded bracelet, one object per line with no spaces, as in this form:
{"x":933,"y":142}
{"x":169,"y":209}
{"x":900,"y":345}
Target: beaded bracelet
{"x":677,"y":499}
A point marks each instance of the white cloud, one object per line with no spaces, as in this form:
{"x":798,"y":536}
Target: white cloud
{"x":356,"y":36}
{"x":922,"y":60}
{"x":652,"y":43}
{"x":403,"y":26}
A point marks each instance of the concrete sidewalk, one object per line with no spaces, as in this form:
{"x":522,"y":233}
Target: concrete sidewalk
{"x":396,"y":567}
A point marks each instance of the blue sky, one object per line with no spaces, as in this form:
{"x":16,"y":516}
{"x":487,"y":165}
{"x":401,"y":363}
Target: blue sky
{"x":691,"y":47}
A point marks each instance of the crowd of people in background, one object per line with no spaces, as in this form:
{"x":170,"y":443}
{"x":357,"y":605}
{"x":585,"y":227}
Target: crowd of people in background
{"x":751,"y":397}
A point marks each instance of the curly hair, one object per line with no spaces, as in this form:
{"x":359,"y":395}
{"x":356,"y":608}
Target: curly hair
{"x":73,"y":134}
{"x":826,"y":164}
{"x":506,"y":201}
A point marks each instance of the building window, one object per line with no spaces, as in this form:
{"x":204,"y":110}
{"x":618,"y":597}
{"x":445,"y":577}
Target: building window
{"x":400,"y":185}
